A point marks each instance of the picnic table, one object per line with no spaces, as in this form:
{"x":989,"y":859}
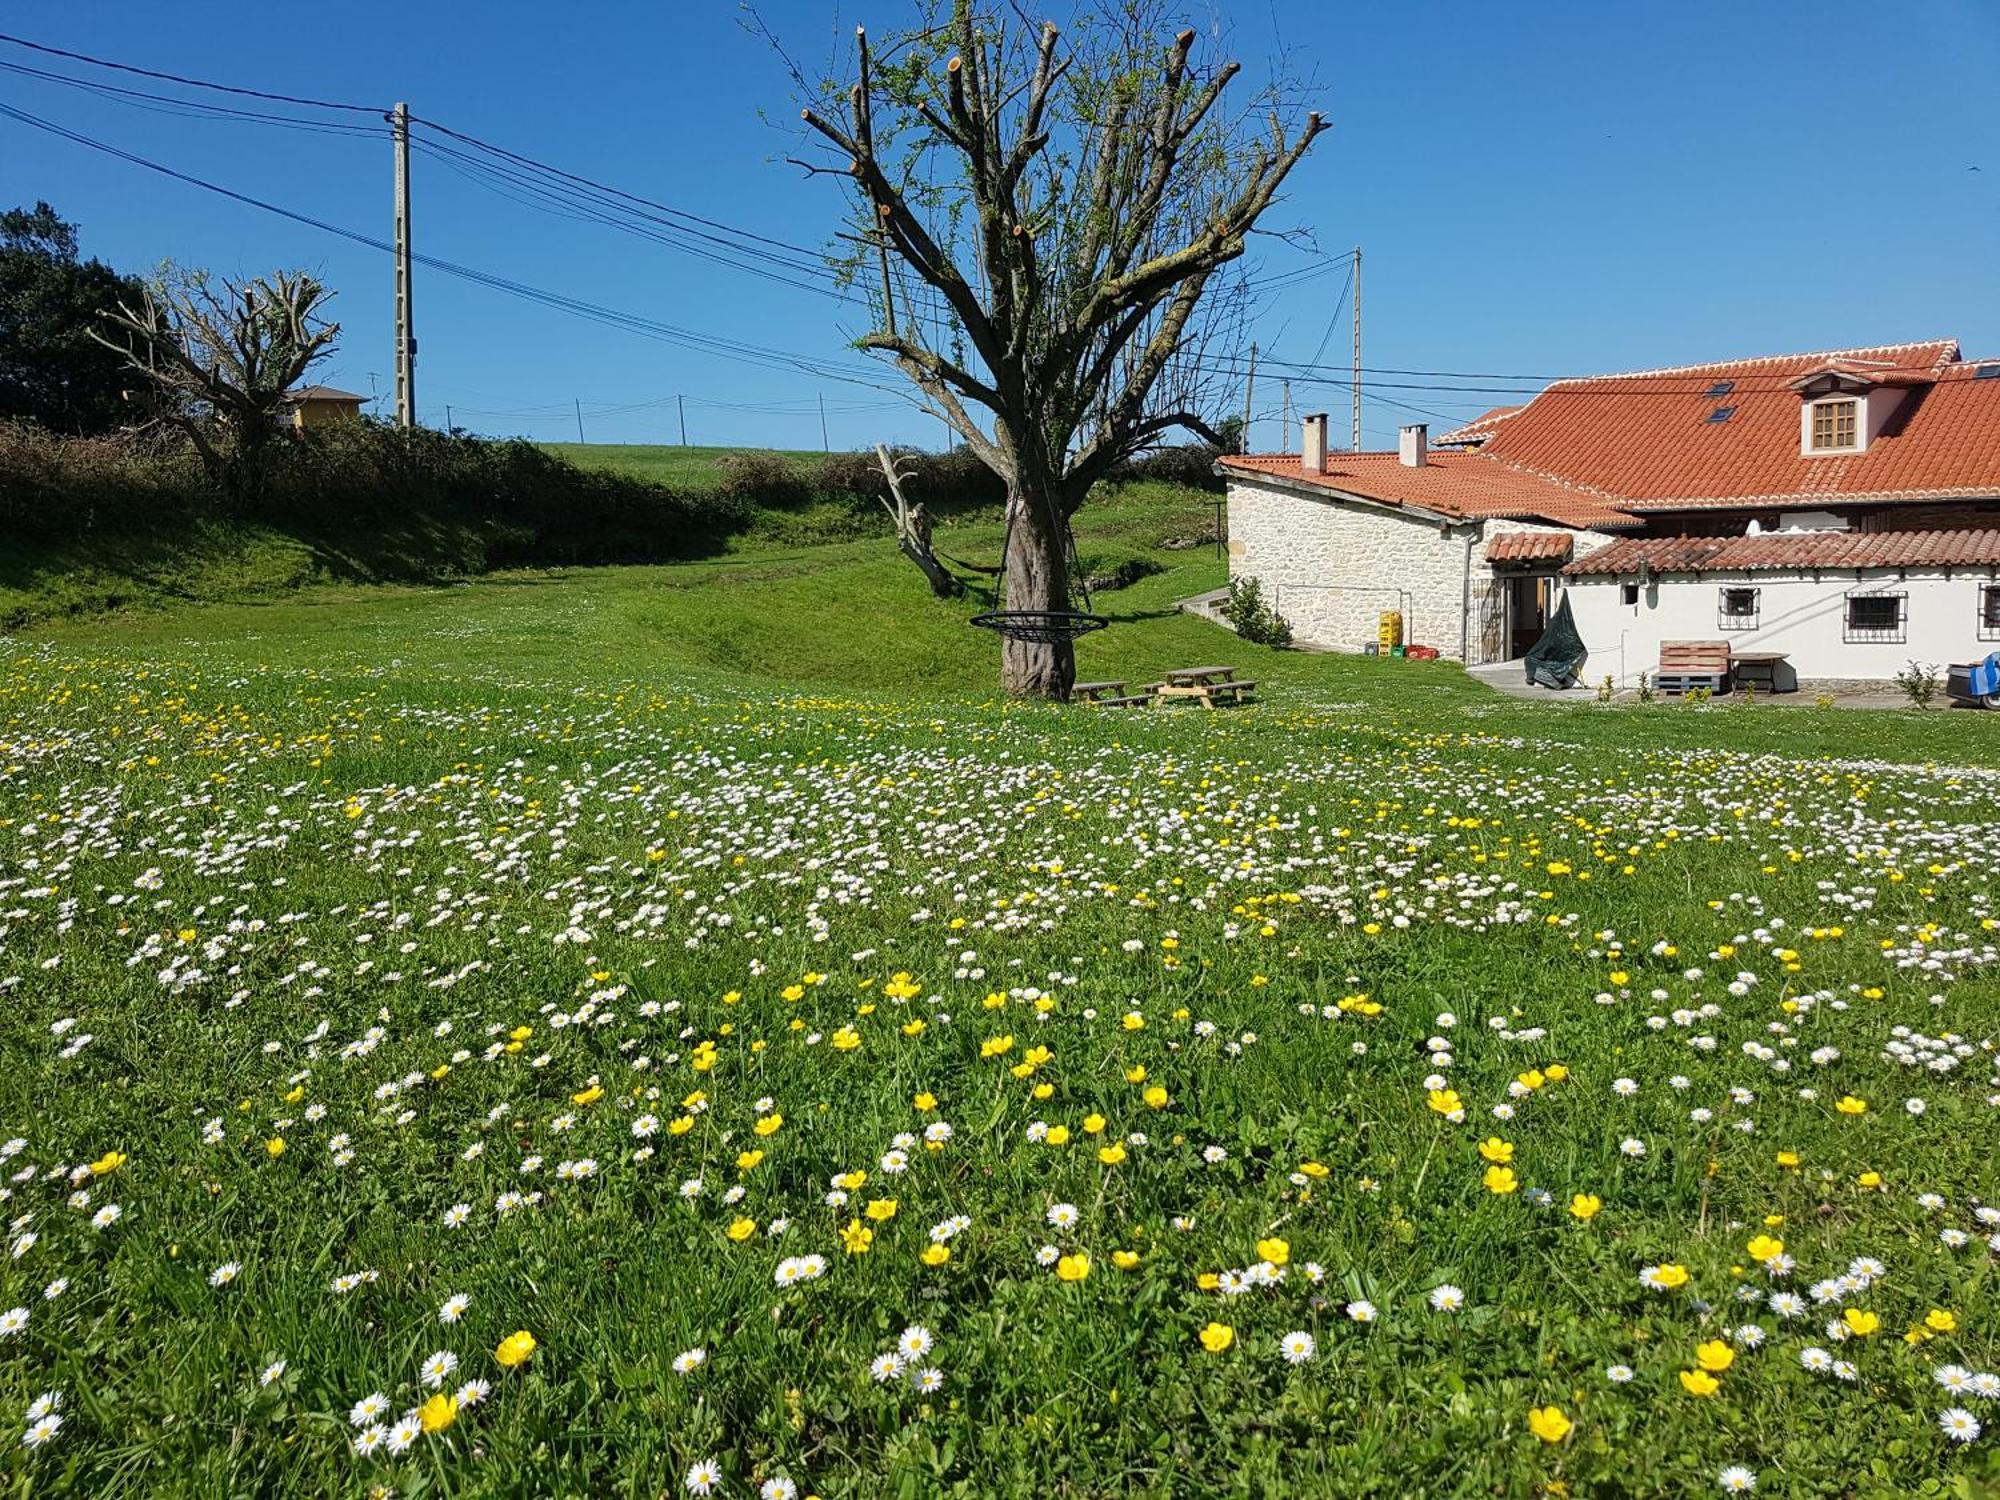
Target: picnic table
{"x":1207,"y":686}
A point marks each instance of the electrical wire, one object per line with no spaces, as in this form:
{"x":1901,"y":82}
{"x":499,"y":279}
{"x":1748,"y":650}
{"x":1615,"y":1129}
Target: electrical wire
{"x":193,"y":83}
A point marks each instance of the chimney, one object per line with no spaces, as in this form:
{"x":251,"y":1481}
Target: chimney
{"x":1312,"y":458}
{"x":1412,"y":444}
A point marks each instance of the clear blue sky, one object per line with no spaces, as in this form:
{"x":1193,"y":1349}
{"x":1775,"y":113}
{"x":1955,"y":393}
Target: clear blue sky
{"x":1557,"y":187}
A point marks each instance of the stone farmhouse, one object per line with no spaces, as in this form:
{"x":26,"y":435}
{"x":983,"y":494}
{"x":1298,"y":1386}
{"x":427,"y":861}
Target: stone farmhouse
{"x":1840,"y":510}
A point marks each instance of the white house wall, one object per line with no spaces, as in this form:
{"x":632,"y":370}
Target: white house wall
{"x":1798,"y":614}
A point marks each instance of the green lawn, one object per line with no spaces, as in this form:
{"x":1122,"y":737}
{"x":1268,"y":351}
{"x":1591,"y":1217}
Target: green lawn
{"x":696,"y":969}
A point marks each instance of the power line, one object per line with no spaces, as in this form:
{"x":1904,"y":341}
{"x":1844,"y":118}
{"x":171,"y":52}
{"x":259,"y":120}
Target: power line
{"x":193,"y":83}
{"x":191,"y":108}
{"x":631,"y":322}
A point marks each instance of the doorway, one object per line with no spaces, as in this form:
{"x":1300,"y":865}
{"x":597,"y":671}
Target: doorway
{"x":1530,"y":597}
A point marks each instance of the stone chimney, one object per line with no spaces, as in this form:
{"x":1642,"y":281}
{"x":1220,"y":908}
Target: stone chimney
{"x":1312,"y":457}
{"x":1413,"y":445}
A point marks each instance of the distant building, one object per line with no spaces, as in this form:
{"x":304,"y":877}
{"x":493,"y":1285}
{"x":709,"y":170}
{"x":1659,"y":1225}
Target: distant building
{"x":321,"y":405}
{"x":1841,"y":509}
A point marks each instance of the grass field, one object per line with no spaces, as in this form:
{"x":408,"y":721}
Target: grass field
{"x":865,"y":1087}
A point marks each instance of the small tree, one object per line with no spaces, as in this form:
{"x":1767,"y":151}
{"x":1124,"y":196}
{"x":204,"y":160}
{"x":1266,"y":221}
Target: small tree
{"x":1062,"y":206}
{"x":223,"y":354}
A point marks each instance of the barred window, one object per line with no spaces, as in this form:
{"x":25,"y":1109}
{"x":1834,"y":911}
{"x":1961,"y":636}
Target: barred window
{"x":1876,"y":617}
{"x":1736,"y":608}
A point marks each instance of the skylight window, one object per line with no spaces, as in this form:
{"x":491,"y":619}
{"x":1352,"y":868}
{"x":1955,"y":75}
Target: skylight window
{"x":1721,"y":388}
{"x":1720,"y":415}
{"x":1987,"y":372}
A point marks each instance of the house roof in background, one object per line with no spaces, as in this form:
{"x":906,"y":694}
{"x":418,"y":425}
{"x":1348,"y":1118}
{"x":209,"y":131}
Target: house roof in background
{"x":1462,"y":486}
{"x":1727,"y":434}
{"x":1791,"y":550}
{"x":324,"y":393}
{"x":1477,"y":430}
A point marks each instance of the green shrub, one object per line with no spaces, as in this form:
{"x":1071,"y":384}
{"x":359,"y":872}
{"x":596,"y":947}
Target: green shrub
{"x":1254,"y":620}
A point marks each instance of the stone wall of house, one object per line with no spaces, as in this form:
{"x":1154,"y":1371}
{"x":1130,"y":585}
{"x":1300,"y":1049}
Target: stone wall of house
{"x":1331,"y":567}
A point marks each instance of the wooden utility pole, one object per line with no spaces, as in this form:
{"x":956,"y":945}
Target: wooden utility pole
{"x":681,"y":403}
{"x":406,"y":339}
{"x":1249,"y":397}
{"x":577,"y":401}
{"x":825,"y":445}
{"x":1357,"y":348}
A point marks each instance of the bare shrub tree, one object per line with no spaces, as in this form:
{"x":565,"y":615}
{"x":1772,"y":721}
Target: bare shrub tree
{"x":223,"y":354}
{"x":1057,"y":210}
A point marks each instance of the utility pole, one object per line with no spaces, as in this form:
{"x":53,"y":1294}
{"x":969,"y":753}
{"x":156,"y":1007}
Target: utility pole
{"x":447,"y":418}
{"x":1286,"y":387}
{"x":578,"y":401}
{"x":1249,"y":395}
{"x":825,"y":445}
{"x":681,"y":403}
{"x":406,"y":339}
{"x":1357,"y":348}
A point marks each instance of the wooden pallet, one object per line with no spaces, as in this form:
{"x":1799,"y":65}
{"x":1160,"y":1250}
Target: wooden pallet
{"x":1680,"y":684}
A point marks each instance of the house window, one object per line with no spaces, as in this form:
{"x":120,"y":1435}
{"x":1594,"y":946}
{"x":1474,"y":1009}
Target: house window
{"x":1629,"y":592}
{"x":1875,"y":617}
{"x":1736,"y":609}
{"x":1833,"y":425}
{"x":1989,"y":612}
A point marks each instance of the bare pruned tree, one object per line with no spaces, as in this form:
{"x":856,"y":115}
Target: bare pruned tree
{"x":1059,"y":212}
{"x":223,"y":354}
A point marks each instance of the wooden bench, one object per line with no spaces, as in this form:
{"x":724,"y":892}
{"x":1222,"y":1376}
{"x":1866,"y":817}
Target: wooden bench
{"x":1094,"y":692}
{"x":1134,"y":700}
{"x":1686,"y":666}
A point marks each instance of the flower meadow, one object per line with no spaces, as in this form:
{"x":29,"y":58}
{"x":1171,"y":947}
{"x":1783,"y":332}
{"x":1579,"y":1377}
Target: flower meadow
{"x":420,"y":1081}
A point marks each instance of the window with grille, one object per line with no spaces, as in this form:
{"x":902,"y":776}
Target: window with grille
{"x":1834,"y":425}
{"x":1876,"y":617}
{"x":1989,"y":612}
{"x":1736,"y":608}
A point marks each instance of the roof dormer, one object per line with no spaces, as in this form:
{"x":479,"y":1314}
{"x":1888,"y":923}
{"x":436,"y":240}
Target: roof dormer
{"x":1844,"y":406}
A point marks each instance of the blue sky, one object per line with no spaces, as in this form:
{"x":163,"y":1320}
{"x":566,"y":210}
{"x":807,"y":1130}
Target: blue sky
{"x":1547,"y":188}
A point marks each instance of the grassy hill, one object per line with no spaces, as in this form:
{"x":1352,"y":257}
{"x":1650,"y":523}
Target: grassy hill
{"x":667,"y":463}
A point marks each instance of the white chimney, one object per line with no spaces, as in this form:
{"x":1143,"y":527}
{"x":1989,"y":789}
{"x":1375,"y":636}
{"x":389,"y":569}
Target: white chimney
{"x":1412,"y":444}
{"x":1312,"y":458}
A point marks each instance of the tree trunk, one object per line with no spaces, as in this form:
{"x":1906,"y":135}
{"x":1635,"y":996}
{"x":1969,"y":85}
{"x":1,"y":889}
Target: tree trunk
{"x":1037,"y":578}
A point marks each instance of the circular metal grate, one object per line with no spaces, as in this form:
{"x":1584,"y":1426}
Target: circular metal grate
{"x":1043,"y":625}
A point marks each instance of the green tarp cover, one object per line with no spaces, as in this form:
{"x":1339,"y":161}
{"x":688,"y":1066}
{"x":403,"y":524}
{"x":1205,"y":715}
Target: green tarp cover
{"x":1559,"y":653}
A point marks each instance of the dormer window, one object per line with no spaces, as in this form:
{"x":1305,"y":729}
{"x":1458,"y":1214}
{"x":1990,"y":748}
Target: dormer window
{"x":1835,"y":426}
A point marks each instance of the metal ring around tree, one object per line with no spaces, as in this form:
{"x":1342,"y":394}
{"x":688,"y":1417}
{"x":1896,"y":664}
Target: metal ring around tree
{"x":1044,"y":626}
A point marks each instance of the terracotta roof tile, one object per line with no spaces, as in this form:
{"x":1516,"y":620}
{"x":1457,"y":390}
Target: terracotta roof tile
{"x":1477,"y":430}
{"x":1463,"y":486}
{"x":1645,"y":440}
{"x":1795,"y":549}
{"x":1529,"y":546}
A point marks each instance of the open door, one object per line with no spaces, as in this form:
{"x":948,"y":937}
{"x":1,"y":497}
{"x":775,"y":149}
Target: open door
{"x":1528,"y":603}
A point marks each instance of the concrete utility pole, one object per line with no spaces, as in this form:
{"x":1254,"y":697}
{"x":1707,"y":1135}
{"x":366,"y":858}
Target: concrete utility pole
{"x":577,"y":401}
{"x":825,"y":445}
{"x":1249,"y":397}
{"x":680,"y":402}
{"x":1357,"y":348}
{"x":406,"y":339}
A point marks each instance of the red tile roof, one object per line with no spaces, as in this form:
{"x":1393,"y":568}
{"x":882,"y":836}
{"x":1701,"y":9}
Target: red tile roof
{"x":1646,"y":438}
{"x":1529,"y":546}
{"x":1477,"y":430}
{"x":1462,"y":486}
{"x":1796,"y":549}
